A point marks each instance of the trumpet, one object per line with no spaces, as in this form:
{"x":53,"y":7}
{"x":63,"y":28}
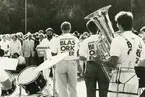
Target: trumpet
{"x":101,"y":19}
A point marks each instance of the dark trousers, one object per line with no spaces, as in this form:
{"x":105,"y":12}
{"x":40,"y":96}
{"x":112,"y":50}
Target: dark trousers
{"x":40,"y":60}
{"x":29,"y":61}
{"x":93,"y":75}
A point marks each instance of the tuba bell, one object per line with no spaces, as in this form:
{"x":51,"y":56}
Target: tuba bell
{"x":101,"y":19}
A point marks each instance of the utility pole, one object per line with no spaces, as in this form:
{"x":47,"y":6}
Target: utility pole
{"x":25,"y":16}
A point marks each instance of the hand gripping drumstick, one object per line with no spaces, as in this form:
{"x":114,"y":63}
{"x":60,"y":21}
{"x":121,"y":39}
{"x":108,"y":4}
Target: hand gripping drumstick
{"x":52,"y":61}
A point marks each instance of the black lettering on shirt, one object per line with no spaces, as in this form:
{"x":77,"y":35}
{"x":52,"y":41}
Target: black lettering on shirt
{"x":91,"y":51}
{"x":129,"y":47}
{"x":138,"y":53}
{"x":68,"y":45}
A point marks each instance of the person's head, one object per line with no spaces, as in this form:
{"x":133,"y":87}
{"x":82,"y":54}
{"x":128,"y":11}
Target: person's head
{"x":92,"y":27}
{"x":18,"y":35}
{"x":49,"y":33}
{"x":84,"y":36}
{"x":124,"y":21}
{"x":135,"y":32}
{"x":66,"y":27}
{"x":41,"y":31}
{"x":142,"y":30}
{"x":30,"y":36}
{"x":14,"y":37}
{"x":76,"y":33}
{"x":41,"y":36}
{"x":4,"y":38}
{"x":15,"y":55}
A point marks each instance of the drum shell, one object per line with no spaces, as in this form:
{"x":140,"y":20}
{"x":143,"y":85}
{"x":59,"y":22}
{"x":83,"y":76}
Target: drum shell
{"x":9,"y":91}
{"x":36,"y":85}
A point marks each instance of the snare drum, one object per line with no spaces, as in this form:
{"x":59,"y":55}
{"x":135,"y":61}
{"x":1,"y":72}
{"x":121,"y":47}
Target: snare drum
{"x":33,"y":82}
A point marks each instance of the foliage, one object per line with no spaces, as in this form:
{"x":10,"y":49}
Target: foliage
{"x":51,"y":13}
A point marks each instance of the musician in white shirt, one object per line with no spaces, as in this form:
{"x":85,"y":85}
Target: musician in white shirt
{"x":66,"y":70}
{"x":126,"y":52}
{"x":94,"y":74}
{"x":4,"y":78}
{"x":45,"y":47}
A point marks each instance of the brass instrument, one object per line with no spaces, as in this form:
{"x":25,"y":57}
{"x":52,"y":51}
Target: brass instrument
{"x":101,"y":19}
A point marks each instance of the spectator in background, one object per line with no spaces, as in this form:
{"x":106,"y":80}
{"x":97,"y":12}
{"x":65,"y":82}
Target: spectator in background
{"x":15,"y":45}
{"x":55,"y":35}
{"x":21,"y":63}
{"x":41,"y":31}
{"x":28,"y":50}
{"x":77,"y":34}
{"x":83,"y":36}
{"x":41,"y":37}
{"x":142,"y":33}
{"x":4,"y":44}
{"x":20,"y":38}
{"x":36,"y":43}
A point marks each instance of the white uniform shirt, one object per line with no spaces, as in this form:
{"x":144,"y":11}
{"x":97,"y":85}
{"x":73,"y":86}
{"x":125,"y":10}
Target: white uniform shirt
{"x":129,"y":54}
{"x":21,"y":60}
{"x":66,"y":42}
{"x":88,"y":47}
{"x":4,"y":45}
{"x":46,"y":44}
{"x":15,"y":47}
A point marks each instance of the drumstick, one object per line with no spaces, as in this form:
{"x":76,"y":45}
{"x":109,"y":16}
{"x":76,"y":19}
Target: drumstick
{"x":52,"y":61}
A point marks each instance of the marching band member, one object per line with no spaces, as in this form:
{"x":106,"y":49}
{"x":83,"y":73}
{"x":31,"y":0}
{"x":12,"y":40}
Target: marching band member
{"x":66,"y":70}
{"x":4,"y":78}
{"x":93,"y":72}
{"x":126,"y":51}
{"x":47,"y":52}
{"x":45,"y":46}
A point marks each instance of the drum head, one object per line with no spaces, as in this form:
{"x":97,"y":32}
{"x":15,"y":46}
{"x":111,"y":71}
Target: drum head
{"x":27,"y":75}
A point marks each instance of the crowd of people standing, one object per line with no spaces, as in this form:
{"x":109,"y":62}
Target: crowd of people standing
{"x":29,"y":49}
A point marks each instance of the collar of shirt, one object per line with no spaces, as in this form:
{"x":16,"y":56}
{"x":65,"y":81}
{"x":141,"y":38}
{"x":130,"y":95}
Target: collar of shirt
{"x":127,"y":33}
{"x":66,"y":34}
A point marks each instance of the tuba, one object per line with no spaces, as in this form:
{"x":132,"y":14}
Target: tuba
{"x":101,"y":19}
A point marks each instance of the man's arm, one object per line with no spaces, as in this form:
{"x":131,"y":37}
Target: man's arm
{"x":111,"y":62}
